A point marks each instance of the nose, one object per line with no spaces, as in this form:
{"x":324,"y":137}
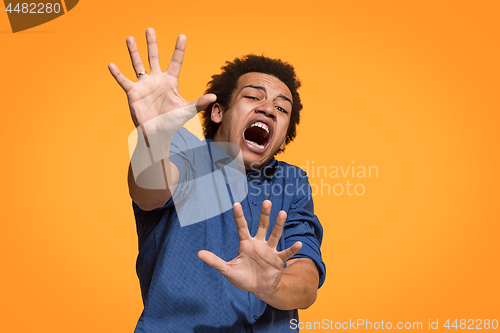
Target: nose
{"x":267,"y":108}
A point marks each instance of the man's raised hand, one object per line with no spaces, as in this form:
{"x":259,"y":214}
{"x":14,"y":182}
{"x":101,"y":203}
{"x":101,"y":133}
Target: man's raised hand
{"x":258,"y":267}
{"x":156,"y":94}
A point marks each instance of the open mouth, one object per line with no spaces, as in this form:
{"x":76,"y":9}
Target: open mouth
{"x":257,"y":135}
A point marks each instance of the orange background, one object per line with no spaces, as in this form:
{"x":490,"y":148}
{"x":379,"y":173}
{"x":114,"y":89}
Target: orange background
{"x":409,"y":88}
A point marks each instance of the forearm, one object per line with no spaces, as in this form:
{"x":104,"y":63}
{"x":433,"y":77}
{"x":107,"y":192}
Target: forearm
{"x":148,"y":198}
{"x":151,"y":186}
{"x":297,"y":288}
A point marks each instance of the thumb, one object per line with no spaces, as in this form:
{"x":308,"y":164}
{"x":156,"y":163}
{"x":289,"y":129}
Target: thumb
{"x":202,"y":102}
{"x":211,"y":259}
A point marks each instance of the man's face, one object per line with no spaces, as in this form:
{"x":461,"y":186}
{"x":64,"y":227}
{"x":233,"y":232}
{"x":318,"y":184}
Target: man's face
{"x":257,"y":119}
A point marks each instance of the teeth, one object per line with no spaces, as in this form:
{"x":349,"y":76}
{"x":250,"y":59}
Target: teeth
{"x":255,"y":144}
{"x":261,"y":125}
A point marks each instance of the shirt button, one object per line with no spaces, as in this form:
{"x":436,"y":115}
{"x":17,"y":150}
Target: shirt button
{"x":253,"y":203}
{"x":255,"y":317}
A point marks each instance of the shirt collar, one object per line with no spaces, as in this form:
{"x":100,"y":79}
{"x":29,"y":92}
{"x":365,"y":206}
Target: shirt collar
{"x":265,"y":173}
{"x":221,"y":158}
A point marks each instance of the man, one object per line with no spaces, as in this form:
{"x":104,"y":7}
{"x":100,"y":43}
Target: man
{"x":261,"y":282}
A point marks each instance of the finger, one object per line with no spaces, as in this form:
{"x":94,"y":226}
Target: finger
{"x":241,"y":223}
{"x":125,"y":83}
{"x":135,"y":57}
{"x":211,"y":259}
{"x":277,"y":230}
{"x":265,"y":212}
{"x":153,"y":56}
{"x":205,"y":100}
{"x":290,"y":252}
{"x":174,"y":68}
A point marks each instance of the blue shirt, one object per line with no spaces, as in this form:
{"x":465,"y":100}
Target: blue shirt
{"x":183,"y":294}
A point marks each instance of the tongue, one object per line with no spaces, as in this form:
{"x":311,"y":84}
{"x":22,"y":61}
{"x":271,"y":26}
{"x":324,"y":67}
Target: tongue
{"x":257,"y":135}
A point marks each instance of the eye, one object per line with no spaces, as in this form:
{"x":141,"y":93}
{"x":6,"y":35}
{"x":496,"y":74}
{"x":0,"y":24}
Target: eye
{"x":281,"y":109}
{"x":252,"y":98}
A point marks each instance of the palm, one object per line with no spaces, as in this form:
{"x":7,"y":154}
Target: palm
{"x":258,"y":266}
{"x":155,"y":94}
{"x":153,"y":97}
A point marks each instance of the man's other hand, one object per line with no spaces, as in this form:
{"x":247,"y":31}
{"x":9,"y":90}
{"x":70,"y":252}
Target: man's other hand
{"x":259,"y":267}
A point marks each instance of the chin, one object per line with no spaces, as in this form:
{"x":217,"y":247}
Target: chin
{"x":253,"y":162}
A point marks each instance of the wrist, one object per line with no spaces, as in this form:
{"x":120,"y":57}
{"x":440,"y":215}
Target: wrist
{"x":273,"y":297}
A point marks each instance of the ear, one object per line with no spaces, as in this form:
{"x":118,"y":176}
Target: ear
{"x":216,"y":114}
{"x":282,"y":147}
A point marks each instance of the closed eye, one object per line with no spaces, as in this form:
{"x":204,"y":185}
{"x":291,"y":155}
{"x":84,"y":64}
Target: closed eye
{"x":252,"y":97}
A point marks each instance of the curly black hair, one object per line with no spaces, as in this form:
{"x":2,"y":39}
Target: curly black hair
{"x":224,"y":84}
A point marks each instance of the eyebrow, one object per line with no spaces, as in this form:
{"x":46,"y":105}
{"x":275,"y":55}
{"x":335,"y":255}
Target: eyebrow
{"x":264,"y":89}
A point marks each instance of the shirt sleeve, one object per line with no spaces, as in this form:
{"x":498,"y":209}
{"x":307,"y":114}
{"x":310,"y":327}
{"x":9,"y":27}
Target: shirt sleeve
{"x":303,"y":225}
